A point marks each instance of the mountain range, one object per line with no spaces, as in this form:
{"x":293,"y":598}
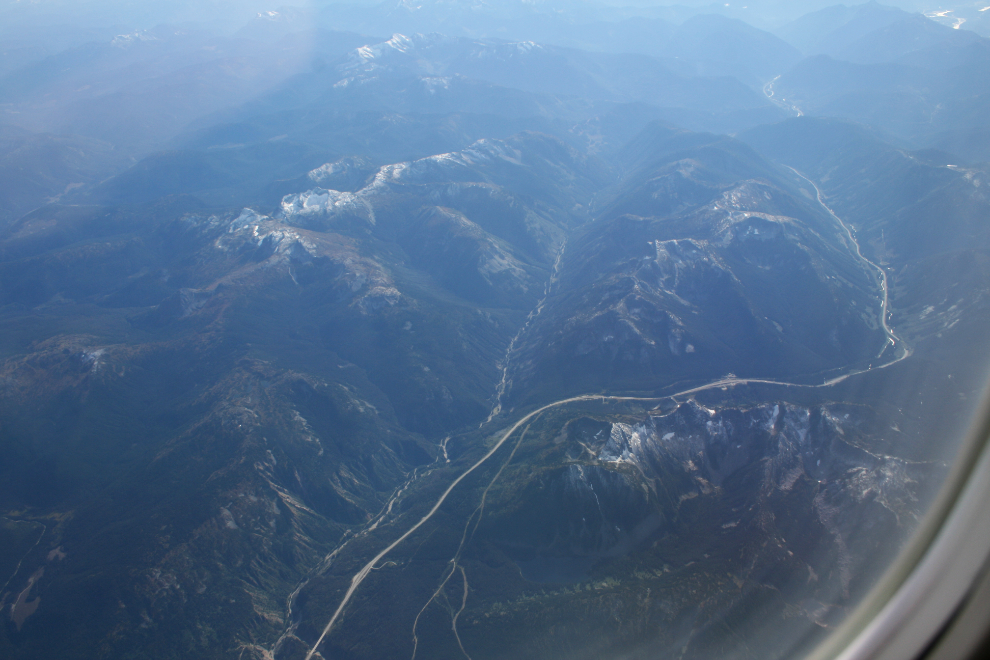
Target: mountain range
{"x":650,"y":339}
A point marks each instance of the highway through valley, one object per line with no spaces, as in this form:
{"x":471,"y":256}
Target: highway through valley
{"x":722,"y":383}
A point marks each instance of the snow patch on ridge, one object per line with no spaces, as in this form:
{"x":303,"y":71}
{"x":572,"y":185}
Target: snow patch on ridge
{"x":324,"y":201}
{"x":399,"y":43}
{"x":318,"y":202}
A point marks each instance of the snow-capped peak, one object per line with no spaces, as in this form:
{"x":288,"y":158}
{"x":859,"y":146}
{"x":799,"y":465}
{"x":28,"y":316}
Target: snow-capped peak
{"x":399,"y":43}
{"x":127,"y":40}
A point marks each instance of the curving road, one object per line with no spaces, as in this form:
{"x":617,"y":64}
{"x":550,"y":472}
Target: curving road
{"x":721,"y":383}
{"x":892,"y":338}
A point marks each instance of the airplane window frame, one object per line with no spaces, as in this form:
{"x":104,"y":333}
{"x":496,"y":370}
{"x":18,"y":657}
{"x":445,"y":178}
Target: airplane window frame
{"x":933,"y":602}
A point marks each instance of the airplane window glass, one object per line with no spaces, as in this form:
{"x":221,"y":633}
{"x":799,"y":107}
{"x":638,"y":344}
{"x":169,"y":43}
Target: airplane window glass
{"x":491,"y":328}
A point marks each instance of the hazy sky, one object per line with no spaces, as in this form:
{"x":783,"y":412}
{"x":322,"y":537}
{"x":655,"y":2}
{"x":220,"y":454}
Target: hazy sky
{"x":230,"y":15}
